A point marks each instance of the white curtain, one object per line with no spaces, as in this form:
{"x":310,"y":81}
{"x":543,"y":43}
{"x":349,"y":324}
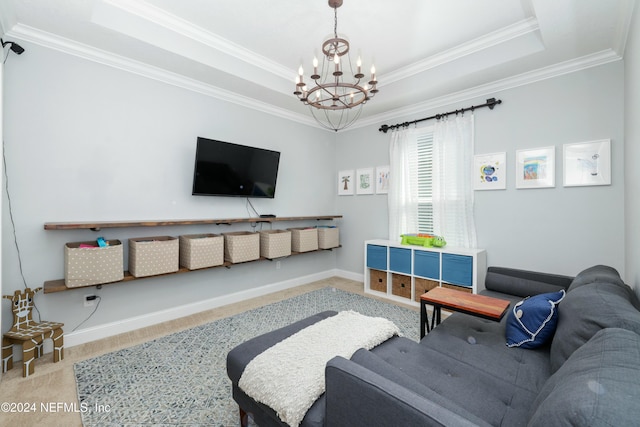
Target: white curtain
{"x":403,"y":183}
{"x":452,"y":181}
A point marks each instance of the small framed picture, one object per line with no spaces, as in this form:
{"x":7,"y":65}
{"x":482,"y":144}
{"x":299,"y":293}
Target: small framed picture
{"x":346,"y":183}
{"x":587,"y":163}
{"x":364,"y":181}
{"x":382,"y":180}
{"x":536,"y":168}
{"x":489,"y":171}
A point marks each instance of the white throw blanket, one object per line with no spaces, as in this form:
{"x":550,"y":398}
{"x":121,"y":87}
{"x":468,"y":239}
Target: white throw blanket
{"x":289,"y":376}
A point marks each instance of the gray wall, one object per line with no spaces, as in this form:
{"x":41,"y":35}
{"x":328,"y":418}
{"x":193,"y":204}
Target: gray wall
{"x":365,"y":216}
{"x":88,"y":142}
{"x":561,"y":230}
{"x":632,"y":153}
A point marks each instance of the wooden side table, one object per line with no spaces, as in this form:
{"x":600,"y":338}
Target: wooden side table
{"x":463,"y":302}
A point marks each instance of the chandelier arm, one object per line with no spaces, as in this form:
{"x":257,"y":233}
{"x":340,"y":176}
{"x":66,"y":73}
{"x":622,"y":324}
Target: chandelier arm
{"x":324,"y":88}
{"x":319,"y":105}
{"x":343,"y":103}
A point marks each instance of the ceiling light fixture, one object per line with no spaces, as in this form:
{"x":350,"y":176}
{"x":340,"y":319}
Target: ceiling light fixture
{"x":335,"y":103}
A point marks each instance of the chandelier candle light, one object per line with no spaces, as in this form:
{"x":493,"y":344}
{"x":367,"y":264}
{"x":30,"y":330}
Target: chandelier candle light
{"x":334,"y":102}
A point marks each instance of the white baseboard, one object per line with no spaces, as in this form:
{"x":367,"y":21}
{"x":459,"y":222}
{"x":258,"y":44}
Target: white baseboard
{"x":358,"y":277}
{"x":127,"y":325}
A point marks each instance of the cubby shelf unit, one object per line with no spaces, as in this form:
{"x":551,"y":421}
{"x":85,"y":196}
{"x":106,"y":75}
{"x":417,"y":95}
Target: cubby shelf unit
{"x":404,"y":272}
{"x":58,"y":285}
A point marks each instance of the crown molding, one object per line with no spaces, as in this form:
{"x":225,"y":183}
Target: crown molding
{"x":187,"y":29}
{"x":93,"y":54}
{"x":89,"y":53}
{"x":519,"y":29}
{"x":556,"y":70}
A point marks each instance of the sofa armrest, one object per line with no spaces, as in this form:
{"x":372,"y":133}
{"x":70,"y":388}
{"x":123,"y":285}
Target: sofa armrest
{"x":357,"y":396}
{"x":524,"y":283}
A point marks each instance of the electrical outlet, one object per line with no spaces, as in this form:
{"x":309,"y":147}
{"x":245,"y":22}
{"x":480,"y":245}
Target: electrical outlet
{"x":277,"y":265}
{"x":90,"y":300}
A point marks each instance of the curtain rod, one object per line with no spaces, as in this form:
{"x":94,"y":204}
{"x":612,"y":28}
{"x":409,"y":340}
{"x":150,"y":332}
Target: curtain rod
{"x":491,"y":103}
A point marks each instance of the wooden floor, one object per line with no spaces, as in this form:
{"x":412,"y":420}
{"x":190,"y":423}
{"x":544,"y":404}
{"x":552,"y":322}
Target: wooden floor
{"x":54,"y":385}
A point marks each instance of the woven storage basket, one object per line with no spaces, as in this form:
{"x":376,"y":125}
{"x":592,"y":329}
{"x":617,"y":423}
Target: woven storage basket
{"x":201,"y":250}
{"x":458,"y":288}
{"x":328,"y":237}
{"x":150,"y":256}
{"x":304,"y":239}
{"x":275,"y":243}
{"x":401,"y":285}
{"x":94,"y":265}
{"x":378,"y":280}
{"x":423,"y":286}
{"x":241,"y":246}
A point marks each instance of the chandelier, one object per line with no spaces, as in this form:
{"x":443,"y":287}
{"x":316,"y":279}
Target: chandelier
{"x":335,"y":102}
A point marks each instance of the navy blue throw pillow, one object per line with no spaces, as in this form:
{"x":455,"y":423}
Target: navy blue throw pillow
{"x":533,"y":320}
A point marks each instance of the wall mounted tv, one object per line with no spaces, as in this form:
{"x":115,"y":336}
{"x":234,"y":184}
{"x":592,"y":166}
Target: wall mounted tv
{"x":226,"y":169}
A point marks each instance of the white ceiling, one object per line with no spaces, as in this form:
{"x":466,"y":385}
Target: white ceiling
{"x":426,"y":52}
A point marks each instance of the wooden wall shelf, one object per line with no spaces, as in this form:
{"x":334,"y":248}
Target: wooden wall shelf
{"x":98,"y":225}
{"x":58,"y":285}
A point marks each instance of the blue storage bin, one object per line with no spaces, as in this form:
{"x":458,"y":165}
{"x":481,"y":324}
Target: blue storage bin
{"x":426,"y":264}
{"x":377,"y":257}
{"x":457,"y":269}
{"x":400,"y":260}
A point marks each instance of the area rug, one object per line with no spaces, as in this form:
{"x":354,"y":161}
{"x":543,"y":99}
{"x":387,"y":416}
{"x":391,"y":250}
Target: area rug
{"x":181,"y":379}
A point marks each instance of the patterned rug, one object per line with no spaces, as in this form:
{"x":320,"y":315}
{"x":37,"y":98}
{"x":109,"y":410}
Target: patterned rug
{"x":181,"y":379}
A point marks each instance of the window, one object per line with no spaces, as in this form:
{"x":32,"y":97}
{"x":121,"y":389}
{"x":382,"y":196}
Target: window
{"x":425,"y":181}
{"x":430,"y":189}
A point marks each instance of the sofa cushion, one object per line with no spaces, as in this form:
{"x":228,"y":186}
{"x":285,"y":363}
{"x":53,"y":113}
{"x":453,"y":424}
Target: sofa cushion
{"x":375,"y":364}
{"x":452,"y":370}
{"x":532,"y":321}
{"x":597,"y":273}
{"x":358,"y":396}
{"x":519,"y":286}
{"x":480,"y":344}
{"x":596,"y":386}
{"x":586,"y":310}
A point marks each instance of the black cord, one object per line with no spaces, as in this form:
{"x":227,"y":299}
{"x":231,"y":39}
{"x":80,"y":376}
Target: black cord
{"x":13,"y":224}
{"x":4,"y":60}
{"x":254,"y":209}
{"x":99,"y":298}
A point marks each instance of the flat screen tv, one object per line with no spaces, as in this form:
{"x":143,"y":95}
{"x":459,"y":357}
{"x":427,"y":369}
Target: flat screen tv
{"x":226,"y":169}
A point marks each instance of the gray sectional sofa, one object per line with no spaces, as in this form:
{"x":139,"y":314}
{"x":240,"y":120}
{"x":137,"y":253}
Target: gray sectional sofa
{"x":463,"y":374}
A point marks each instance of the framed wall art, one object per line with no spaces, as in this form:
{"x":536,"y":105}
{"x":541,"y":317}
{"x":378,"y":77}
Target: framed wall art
{"x":489,"y":171}
{"x":382,"y":180}
{"x":364,"y":181}
{"x":587,"y":163}
{"x":536,"y":168}
{"x":346,"y":183}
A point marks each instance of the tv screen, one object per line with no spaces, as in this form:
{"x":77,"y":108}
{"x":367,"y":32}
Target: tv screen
{"x":226,"y":169}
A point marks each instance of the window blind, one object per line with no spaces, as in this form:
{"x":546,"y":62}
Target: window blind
{"x":425,"y":182}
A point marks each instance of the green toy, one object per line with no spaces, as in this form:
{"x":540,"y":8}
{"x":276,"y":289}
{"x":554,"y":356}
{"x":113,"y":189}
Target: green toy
{"x":425,"y":240}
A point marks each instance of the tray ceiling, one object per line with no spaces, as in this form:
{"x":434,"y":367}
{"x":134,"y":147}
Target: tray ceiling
{"x":426,"y":52}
